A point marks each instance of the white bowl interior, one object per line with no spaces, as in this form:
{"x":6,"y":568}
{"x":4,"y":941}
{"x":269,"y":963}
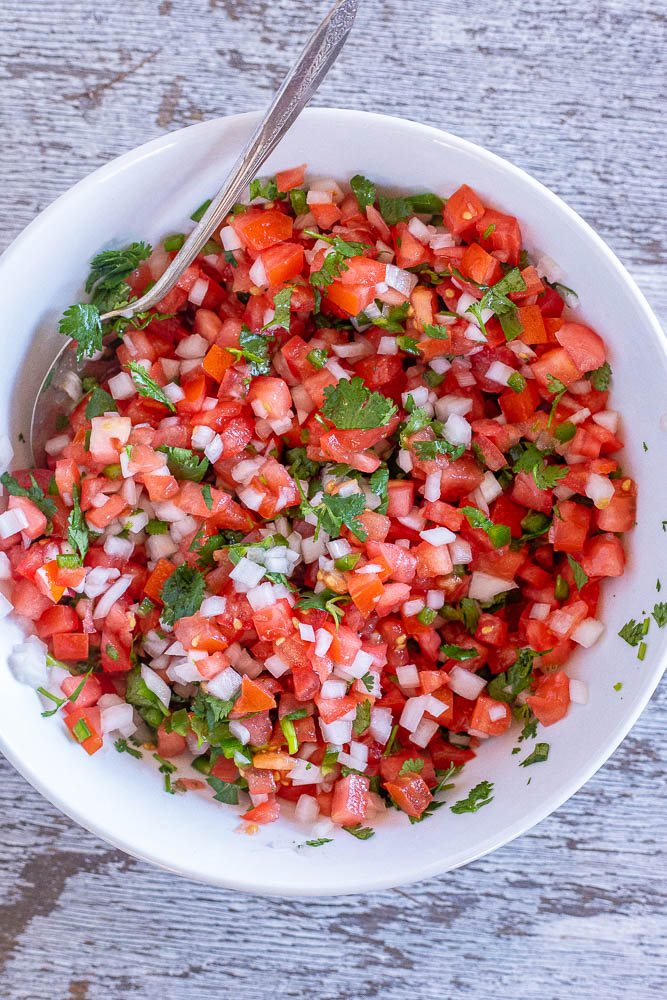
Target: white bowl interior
{"x":150,"y":192}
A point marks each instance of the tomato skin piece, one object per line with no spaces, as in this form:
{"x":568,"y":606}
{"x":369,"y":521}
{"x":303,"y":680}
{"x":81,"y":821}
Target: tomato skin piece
{"x":584,"y":346}
{"x":91,"y":717}
{"x":568,"y":532}
{"x":410,"y":793}
{"x":479,"y":265}
{"x":291,"y":178}
{"x":481,"y":720}
{"x":58,"y":618}
{"x":462,"y":210}
{"x":557,"y":363}
{"x":603,"y":555}
{"x":265,"y":812}
{"x":282,"y":262}
{"x":350,"y":800}
{"x":260,"y":229}
{"x":170,"y":744}
{"x":552,"y":698}
{"x":70,"y":646}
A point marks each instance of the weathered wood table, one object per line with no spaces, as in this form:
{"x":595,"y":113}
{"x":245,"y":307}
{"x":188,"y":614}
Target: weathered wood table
{"x":568,"y":89}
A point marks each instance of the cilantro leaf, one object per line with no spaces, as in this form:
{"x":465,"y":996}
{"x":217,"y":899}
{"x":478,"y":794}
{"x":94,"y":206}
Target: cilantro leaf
{"x":266,"y":188}
{"x":34,"y":493}
{"x":350,"y":406}
{"x":147,"y":386}
{"x":660,"y":614}
{"x":478,"y":796}
{"x":412,"y":766}
{"x":600,"y":377}
{"x":77,"y":529}
{"x":211,"y":709}
{"x":100,"y":402}
{"x":225,"y":791}
{"x":517,"y":678}
{"x":533,"y":461}
{"x":580,"y":577}
{"x":360,"y":832}
{"x":327,"y":600}
{"x":362,"y":719}
{"x":184,"y":464}
{"x":393,"y":321}
{"x":281,"y":304}
{"x":299,"y":465}
{"x":454,"y":652}
{"x":559,"y":389}
{"x":199,"y":213}
{"x":343,"y":510}
{"x":82,"y":323}
{"x":499,"y":534}
{"x":417,"y":421}
{"x":394,"y":210}
{"x":470,"y":614}
{"x":110,"y":267}
{"x":538,"y":756}
{"x":379,"y":483}
{"x":182,"y":593}
{"x":430,"y":449}
{"x":437,"y":331}
{"x":254,"y":349}
{"x":364,"y":191}
{"x":122,"y":747}
{"x":319,"y":842}
{"x":632,"y":632}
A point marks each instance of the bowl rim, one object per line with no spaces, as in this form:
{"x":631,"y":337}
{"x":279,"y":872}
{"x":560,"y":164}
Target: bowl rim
{"x":564,"y":790}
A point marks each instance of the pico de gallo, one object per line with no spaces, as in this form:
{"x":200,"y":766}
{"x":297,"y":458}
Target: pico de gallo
{"x":339,"y":514}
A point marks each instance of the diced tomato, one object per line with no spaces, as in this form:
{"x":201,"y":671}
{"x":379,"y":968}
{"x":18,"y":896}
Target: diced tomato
{"x":84,"y":725}
{"x":350,"y":800}
{"x":552,"y":698}
{"x":462,"y":210}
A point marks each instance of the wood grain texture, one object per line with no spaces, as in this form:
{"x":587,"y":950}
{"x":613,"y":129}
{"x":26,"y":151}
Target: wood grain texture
{"x":569,"y":90}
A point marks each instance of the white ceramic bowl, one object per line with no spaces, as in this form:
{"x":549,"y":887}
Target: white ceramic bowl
{"x":150,"y":192}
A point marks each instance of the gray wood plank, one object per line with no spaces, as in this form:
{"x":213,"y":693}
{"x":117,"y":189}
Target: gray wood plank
{"x":571,"y":92}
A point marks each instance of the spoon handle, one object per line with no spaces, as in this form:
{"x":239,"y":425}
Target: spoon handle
{"x":303,"y":79}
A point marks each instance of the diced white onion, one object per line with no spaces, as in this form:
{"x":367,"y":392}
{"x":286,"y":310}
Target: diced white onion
{"x":118,"y":718}
{"x":118,"y":548}
{"x":403,"y":281}
{"x":213,"y":449}
{"x":465,"y":683}
{"x":194,"y":346}
{"x":608,"y":419}
{"x":540,"y":612}
{"x":578,"y":691}
{"x":381,"y":724}
{"x":306,"y":810}
{"x":404,"y":460}
{"x":155,"y":683}
{"x":307,"y":632}
{"x":225,"y":684}
{"x":484,"y":586}
{"x":408,"y":675}
{"x":599,"y":489}
{"x":324,"y":640}
{"x":173,"y":392}
{"x":435,"y":599}
{"x":212,"y":606}
{"x":387,"y":345}
{"x":197,"y":293}
{"x":412,"y":713}
{"x":11,"y":522}
{"x":490,"y":487}
{"x":115,"y":591}
{"x":588,"y":632}
{"x":276,"y":666}
{"x":447,"y":405}
{"x":497,"y":712}
{"x":438,"y":536}
{"x":121,"y":386}
{"x":432,"y":487}
{"x":27,"y":661}
{"x":333,"y":688}
{"x":229,"y":239}
{"x":499,"y":372}
{"x":460,"y":552}
{"x":424,"y":732}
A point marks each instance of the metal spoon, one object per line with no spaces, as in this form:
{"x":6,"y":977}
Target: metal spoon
{"x":301,"y":82}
